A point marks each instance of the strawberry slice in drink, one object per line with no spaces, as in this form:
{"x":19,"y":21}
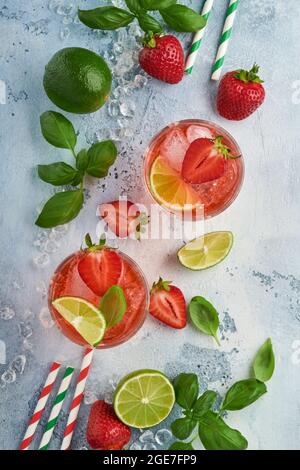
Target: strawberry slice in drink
{"x":100,"y":269}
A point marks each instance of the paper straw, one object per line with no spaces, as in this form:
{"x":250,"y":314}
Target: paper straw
{"x":57,"y":406}
{"x":197,"y":40}
{"x":78,"y":395}
{"x":39,"y":409}
{"x":224,"y":41}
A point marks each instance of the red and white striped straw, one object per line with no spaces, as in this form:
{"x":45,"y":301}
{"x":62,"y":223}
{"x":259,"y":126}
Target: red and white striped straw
{"x":40,"y":407}
{"x":78,"y":395}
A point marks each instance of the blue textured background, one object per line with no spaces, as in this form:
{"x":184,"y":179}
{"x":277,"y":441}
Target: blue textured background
{"x":256,"y":290}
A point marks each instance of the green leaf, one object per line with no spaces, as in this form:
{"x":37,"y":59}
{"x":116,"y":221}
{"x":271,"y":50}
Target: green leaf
{"x":186,"y":390}
{"x":57,"y":174}
{"x":157,"y":4}
{"x":204,"y":404}
{"x":58,"y":130}
{"x":82,"y":160}
{"x":215,"y":434}
{"x":204,"y":316}
{"x":181,"y":446}
{"x":113,"y":306}
{"x":148,"y":23}
{"x":243,"y":393}
{"x":134,"y":5}
{"x":60,"y":209}
{"x":182,"y":19}
{"x":78,"y":178}
{"x":182,"y":428}
{"x":105,"y":18}
{"x":264,"y":362}
{"x":101,"y":156}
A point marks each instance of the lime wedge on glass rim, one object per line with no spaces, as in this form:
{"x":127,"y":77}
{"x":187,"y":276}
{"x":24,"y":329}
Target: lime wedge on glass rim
{"x":144,"y":398}
{"x":85,"y":318}
{"x":206,"y":251}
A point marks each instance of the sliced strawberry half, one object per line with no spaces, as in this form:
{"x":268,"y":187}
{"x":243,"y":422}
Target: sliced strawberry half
{"x":167,"y":304}
{"x":205,"y":160}
{"x":123,"y":218}
{"x":100,"y":268}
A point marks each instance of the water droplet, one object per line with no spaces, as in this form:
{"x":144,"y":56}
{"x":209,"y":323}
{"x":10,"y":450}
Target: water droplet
{"x":45,"y":318}
{"x":9,"y":376}
{"x":163,"y":436}
{"x":7,"y":313}
{"x":25,"y":329}
{"x":147,"y":436}
{"x":127,"y":109}
{"x":135,"y":446}
{"x":149,"y":446}
{"x":113,"y":108}
{"x":18,"y":364}
{"x":41,"y":260}
{"x":64,"y":33}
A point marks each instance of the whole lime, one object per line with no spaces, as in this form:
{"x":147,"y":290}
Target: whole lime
{"x":77,"y":80}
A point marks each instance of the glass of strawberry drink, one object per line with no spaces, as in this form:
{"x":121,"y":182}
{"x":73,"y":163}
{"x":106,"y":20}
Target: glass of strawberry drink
{"x":193,"y":168}
{"x":87,"y":276}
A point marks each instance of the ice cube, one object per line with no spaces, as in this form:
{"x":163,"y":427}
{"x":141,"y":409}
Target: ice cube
{"x":147,"y":436}
{"x":174,"y":148}
{"x":90,"y":396}
{"x":163,"y":436}
{"x":198,"y":132}
{"x":135,"y":446}
{"x":9,"y":376}
{"x":149,"y":446}
{"x":18,"y":364}
{"x":7,"y":313}
{"x":45,"y":318}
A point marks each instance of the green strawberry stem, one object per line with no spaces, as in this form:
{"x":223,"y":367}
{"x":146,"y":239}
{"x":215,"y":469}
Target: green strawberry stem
{"x":222,"y":148}
{"x":92,"y":247}
{"x":149,"y":39}
{"x":249,"y":75}
{"x":161,"y":284}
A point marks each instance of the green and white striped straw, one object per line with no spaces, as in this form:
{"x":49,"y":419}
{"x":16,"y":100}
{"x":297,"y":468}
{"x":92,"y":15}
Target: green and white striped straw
{"x":191,"y":59}
{"x":57,"y":406}
{"x":224,"y":41}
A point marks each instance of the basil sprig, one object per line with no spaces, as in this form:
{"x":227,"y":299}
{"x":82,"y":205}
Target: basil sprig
{"x":202,"y":412}
{"x":65,"y":206}
{"x":178,"y":17}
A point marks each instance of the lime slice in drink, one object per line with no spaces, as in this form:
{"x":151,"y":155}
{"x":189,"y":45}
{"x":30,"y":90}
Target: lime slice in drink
{"x":144,"y":398}
{"x":87,"y":320}
{"x":206,"y":251}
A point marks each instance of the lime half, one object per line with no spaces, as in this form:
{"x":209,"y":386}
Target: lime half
{"x":83,"y":316}
{"x":206,"y":251}
{"x":144,"y":398}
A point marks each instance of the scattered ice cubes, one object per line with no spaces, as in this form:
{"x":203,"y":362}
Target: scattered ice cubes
{"x":149,"y":446}
{"x":163,"y":437}
{"x":45,"y":318}
{"x":41,"y":260}
{"x":90,"y":396}
{"x":140,"y":81}
{"x":127,"y":108}
{"x":51,"y":246}
{"x":9,"y":376}
{"x":65,"y":9}
{"x":174,"y":148}
{"x":7,"y":313}
{"x":18,"y":364}
{"x":53,"y":4}
{"x":147,"y":436}
{"x":42,"y":289}
{"x":64,"y":33}
{"x":113,"y":108}
{"x":67,"y":20}
{"x":25,"y":329}
{"x":28,"y":314}
{"x":27,"y":345}
{"x":198,"y":132}
{"x":135,"y":446}
{"x":118,"y":48}
{"x":109,"y":396}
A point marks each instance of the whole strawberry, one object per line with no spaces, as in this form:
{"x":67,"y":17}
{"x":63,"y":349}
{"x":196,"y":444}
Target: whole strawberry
{"x":105,"y":431}
{"x":240,"y":94}
{"x":163,"y":58}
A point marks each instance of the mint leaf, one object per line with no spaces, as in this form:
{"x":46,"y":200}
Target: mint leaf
{"x":264,"y":362}
{"x":186,"y":390}
{"x":182,"y":19}
{"x":157,"y":4}
{"x":57,"y":174}
{"x":204,"y":316}
{"x":215,"y":434}
{"x":106,"y":18}
{"x":82,"y":160}
{"x":60,"y":209}
{"x":101,"y":156}
{"x":134,"y":5}
{"x":182,"y":428}
{"x":113,"y":306}
{"x":148,"y":23}
{"x":242,"y":394}
{"x":204,"y":404}
{"x":58,"y":130}
{"x":181,"y":446}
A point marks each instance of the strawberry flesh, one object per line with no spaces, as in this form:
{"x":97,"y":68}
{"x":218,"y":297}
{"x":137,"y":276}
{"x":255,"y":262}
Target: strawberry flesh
{"x":168,"y":306}
{"x":104,"y":430}
{"x":122,"y":217}
{"x":202,"y":162}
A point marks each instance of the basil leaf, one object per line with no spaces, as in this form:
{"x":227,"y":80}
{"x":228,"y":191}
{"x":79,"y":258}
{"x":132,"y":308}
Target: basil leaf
{"x":181,"y":446}
{"x":82,"y":160}
{"x":78,"y":178}
{"x":60,"y":209}
{"x":215,"y":434}
{"x":186,"y":390}
{"x":134,"y":5}
{"x":57,"y":174}
{"x":113,"y":306}
{"x":204,"y":316}
{"x":182,"y":428}
{"x":243,"y":393}
{"x":101,"y":156}
{"x":58,"y":130}
{"x":204,"y":403}
{"x":264,"y":362}
{"x":182,"y":19}
{"x":148,"y":23}
{"x":157,"y":4}
{"x":105,"y":18}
